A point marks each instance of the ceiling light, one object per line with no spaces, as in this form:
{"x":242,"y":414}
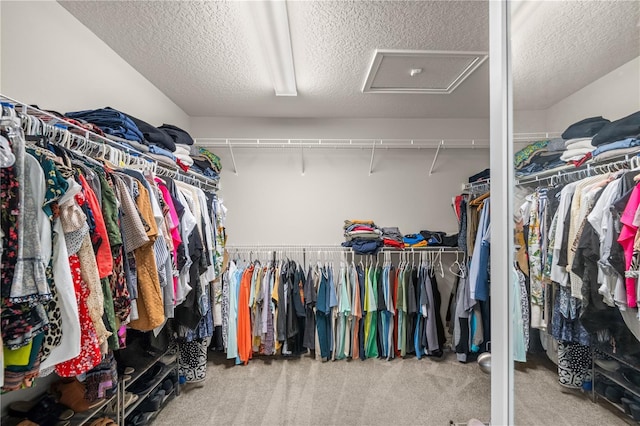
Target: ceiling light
{"x":272,"y":25}
{"x":415,"y":71}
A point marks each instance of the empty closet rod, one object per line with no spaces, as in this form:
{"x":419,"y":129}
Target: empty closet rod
{"x":345,"y":143}
{"x":351,"y":143}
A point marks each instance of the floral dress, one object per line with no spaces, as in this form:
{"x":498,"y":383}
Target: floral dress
{"x":90,"y":355}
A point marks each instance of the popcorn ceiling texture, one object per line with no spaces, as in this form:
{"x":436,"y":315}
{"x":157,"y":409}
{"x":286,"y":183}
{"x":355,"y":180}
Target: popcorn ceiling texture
{"x":205,"y":55}
{"x":566,"y":45}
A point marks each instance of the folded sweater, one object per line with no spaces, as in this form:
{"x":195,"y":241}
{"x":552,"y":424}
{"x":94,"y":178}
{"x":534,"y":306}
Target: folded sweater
{"x":578,"y":143}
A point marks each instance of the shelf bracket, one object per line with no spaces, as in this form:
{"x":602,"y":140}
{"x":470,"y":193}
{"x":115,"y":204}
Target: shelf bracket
{"x":435,"y":157}
{"x":302,"y":158}
{"x":373,"y":153}
{"x":233,"y":159}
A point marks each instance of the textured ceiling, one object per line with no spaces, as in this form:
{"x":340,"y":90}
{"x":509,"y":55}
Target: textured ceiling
{"x":562,"y":46}
{"x":204,"y":54}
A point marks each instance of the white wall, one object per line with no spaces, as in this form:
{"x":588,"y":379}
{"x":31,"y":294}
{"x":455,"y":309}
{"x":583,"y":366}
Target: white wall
{"x":612,"y":96}
{"x":529,"y":121}
{"x":271,"y":202}
{"x":50,"y":59}
{"x":384,"y":128}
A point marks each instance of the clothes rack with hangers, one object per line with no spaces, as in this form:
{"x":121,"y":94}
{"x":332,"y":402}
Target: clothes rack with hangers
{"x":569,"y":173}
{"x":72,"y":136}
{"x":346,"y":302}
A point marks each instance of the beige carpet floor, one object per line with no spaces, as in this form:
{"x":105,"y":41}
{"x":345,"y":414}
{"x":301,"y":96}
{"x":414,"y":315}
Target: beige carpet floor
{"x":373,"y":392}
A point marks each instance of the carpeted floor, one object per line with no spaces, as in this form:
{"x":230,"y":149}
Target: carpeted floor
{"x":374,"y":392}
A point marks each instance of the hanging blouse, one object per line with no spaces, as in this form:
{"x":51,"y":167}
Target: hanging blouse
{"x":150,"y":306}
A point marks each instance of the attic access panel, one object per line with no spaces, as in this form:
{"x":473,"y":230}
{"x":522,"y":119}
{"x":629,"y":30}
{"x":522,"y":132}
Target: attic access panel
{"x":420,"y":71}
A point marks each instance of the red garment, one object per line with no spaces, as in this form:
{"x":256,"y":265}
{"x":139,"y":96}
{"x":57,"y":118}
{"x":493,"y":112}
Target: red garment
{"x":89,"y":126}
{"x":244,"y":317}
{"x":184,"y":166}
{"x":362,"y":228}
{"x":90,"y":355}
{"x":581,"y":161}
{"x":104,"y":258}
{"x":393,"y":243}
{"x":457,"y":202}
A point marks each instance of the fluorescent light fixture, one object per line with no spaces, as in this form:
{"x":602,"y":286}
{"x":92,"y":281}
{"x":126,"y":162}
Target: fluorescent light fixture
{"x":272,"y":25}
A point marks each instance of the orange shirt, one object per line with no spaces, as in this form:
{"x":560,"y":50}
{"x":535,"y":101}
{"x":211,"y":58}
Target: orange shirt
{"x":104,"y":259}
{"x":244,"y":317}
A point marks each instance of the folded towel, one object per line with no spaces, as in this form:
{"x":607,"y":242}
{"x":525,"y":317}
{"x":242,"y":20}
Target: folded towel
{"x":575,"y":154}
{"x":186,"y":159}
{"x":182,"y":149}
{"x":578,"y":143}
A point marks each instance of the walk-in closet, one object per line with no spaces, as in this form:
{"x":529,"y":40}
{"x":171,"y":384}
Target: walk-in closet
{"x":319,"y":212}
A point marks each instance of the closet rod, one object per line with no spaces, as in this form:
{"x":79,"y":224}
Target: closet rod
{"x":587,"y":170}
{"x":334,"y":248}
{"x":99,"y":141}
{"x":351,"y":143}
{"x":344,"y":143}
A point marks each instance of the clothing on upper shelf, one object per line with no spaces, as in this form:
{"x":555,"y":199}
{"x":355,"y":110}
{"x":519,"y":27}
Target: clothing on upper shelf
{"x":363,"y":236}
{"x":623,"y":128}
{"x":584,"y":142}
{"x":483,"y":175}
{"x":111,"y":121}
{"x":179,"y":136}
{"x":168,"y":144}
{"x":89,"y":250}
{"x":586,"y":128}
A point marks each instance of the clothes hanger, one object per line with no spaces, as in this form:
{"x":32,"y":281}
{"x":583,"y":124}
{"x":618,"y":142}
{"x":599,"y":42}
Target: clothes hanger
{"x":440,"y":263}
{"x":456,"y":268}
{"x":7,"y":158}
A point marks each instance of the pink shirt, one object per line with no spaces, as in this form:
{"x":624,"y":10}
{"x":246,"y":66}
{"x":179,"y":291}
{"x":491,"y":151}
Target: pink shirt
{"x":626,"y":238}
{"x":175,"y":221}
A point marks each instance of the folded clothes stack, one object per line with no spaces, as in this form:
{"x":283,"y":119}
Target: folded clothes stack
{"x":153,"y":135}
{"x":182,"y":153}
{"x":439,"y":239}
{"x":592,"y":139}
{"x":363,"y":236}
{"x":620,"y":137}
{"x":414,"y":241}
{"x":576,"y":149}
{"x":205,"y":162}
{"x":179,"y":136}
{"x":111,"y":121}
{"x":392,"y":237}
{"x":480,"y":176}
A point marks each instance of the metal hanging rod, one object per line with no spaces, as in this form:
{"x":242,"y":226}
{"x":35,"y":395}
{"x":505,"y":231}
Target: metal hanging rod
{"x":350,"y":143}
{"x":534,"y":136}
{"x":334,"y":248}
{"x":480,"y":186}
{"x":567,"y":174}
{"x":343,"y":143}
{"x":88,"y":140}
